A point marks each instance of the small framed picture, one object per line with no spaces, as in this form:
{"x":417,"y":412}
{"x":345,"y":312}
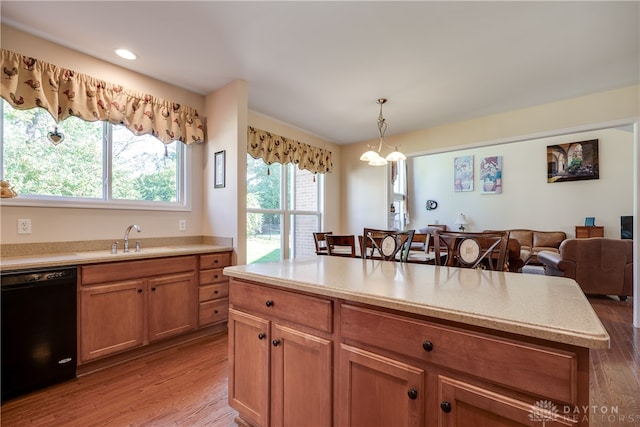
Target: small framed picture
{"x":589,"y":221}
{"x":218,"y":170}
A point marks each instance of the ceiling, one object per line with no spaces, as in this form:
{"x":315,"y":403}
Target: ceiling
{"x":321,"y":66}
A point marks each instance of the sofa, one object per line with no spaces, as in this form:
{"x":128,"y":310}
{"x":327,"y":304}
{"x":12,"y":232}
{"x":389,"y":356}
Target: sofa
{"x":601,"y":266}
{"x":533,"y":241}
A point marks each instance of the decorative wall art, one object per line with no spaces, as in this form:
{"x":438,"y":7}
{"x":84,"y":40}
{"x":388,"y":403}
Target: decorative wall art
{"x":218,"y":171}
{"x":574,"y":161}
{"x":463,"y":173}
{"x":491,"y":175}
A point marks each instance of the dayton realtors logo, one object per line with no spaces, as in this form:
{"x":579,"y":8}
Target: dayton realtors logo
{"x":545,"y":410}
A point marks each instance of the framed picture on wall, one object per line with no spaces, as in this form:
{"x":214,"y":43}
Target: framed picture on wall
{"x":574,"y":161}
{"x":463,"y":173}
{"x":218,"y":170}
{"x":491,"y":175}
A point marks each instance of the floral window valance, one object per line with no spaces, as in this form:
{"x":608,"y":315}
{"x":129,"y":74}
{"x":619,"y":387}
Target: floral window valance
{"x":277,"y":149}
{"x":28,"y":83}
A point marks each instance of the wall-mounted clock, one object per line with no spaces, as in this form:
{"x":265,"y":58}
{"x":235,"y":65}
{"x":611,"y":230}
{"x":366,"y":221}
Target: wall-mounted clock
{"x":431,"y":205}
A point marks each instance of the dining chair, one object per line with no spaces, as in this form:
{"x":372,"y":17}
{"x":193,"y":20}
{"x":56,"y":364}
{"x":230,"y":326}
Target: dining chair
{"x":485,"y":250}
{"x":430,"y":231}
{"x":419,"y":242}
{"x":388,"y":245}
{"x":319,"y":238}
{"x":341,"y":245}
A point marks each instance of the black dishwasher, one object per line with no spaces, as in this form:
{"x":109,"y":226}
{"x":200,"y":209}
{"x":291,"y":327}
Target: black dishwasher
{"x":38,"y":329}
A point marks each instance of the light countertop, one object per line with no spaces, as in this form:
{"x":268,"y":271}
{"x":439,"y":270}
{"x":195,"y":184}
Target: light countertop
{"x":91,"y":257}
{"x":545,"y":307}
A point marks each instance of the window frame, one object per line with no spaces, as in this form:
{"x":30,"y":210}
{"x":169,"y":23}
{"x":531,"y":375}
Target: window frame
{"x":286,"y":212}
{"x":183,"y":183}
{"x":398,"y":199}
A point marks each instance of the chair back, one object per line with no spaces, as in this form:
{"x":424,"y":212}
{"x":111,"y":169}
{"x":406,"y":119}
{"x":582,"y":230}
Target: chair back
{"x":319,"y":239}
{"x":341,"y":245}
{"x":420,"y":242}
{"x":388,"y":245}
{"x":430,"y":231}
{"x":472,"y":250}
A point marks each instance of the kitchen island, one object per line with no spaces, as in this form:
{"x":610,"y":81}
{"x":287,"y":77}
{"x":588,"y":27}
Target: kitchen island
{"x":345,"y":342}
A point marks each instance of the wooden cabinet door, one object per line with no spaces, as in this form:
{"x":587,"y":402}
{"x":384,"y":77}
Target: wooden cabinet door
{"x":172,"y":305}
{"x":463,"y":404}
{"x":378,"y":391}
{"x":249,"y":358}
{"x":301,"y":379}
{"x":111,"y":318}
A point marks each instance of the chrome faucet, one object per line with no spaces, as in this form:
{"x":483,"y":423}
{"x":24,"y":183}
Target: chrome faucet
{"x":126,"y":236}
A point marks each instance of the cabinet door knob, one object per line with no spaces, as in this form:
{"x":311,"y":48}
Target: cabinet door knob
{"x":139,"y":290}
{"x":269,"y":303}
{"x":215,"y":261}
{"x":215,"y":311}
{"x":413,"y":393}
{"x":215,"y":277}
{"x":215,"y":292}
{"x":276,"y":343}
{"x":262,"y":336}
{"x":427,"y":345}
{"x":153,"y":289}
{"x":445,"y":406}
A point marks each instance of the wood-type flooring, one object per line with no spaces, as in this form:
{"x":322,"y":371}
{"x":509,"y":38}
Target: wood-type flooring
{"x":187,"y":386}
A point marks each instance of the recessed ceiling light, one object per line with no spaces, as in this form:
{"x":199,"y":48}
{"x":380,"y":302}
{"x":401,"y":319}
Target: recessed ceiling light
{"x":126,"y":54}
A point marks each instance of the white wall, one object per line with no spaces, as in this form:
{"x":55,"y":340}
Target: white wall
{"x":51,"y":224}
{"x":365,"y":194}
{"x":219,"y":212}
{"x":332,"y":189}
{"x":527,"y":200}
{"x":224,"y":209}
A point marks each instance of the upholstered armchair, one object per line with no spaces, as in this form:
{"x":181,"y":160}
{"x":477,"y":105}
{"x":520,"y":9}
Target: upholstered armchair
{"x":600,"y":266}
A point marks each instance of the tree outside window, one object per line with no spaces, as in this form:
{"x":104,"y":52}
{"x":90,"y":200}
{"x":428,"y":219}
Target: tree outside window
{"x":137,"y":169}
{"x":282,"y":211}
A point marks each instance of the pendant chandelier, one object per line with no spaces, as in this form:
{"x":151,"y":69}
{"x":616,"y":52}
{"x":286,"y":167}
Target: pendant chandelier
{"x":373,"y":154}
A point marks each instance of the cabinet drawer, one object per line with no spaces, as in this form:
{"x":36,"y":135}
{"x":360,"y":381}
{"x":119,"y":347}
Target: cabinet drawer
{"x":212,"y":276}
{"x":213,"y":311}
{"x":213,"y":292}
{"x":127,"y":270}
{"x":302,"y":309}
{"x":217,"y":260}
{"x":536,"y":369}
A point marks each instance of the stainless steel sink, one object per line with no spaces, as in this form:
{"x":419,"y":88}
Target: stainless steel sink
{"x":120,"y":253}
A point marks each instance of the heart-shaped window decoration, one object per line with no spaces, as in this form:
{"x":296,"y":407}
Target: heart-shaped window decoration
{"x":55,"y":137}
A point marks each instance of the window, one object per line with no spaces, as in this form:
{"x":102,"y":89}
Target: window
{"x":398,"y":209}
{"x":283,"y":210}
{"x":95,"y":163}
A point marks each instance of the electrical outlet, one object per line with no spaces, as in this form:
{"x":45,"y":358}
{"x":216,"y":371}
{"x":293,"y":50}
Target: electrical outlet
{"x":24,"y":226}
{"x":182,"y":225}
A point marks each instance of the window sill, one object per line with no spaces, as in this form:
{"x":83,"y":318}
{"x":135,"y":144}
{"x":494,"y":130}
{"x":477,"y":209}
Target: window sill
{"x":26,"y":201}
